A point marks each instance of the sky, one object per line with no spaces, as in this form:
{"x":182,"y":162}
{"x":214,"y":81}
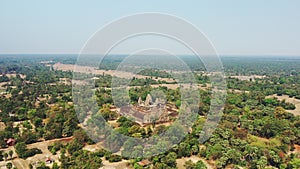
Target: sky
{"x":235,"y":27}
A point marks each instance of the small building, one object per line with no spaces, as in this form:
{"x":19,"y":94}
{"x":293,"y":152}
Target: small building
{"x":95,"y":78}
{"x":10,"y":114}
{"x":11,"y":142}
{"x":49,"y":160}
{"x":144,"y":163}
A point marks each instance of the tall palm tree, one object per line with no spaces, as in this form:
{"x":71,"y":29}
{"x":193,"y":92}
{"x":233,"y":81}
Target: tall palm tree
{"x":5,"y":156}
{"x":9,"y":166}
{"x":11,"y":153}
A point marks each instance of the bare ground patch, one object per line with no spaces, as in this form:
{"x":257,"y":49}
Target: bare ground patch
{"x":248,"y":77}
{"x":194,"y":159}
{"x":88,"y":69}
{"x":292,"y":100}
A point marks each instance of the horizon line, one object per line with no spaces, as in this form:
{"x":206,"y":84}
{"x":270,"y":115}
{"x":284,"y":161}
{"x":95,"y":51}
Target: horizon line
{"x":247,"y":55}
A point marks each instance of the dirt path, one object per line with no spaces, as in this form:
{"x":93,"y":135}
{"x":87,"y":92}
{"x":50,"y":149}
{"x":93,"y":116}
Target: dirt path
{"x":297,"y":150}
{"x":238,"y":91}
{"x":20,"y":164}
{"x":118,"y":165}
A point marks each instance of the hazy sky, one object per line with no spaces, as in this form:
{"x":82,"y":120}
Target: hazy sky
{"x":252,"y":27}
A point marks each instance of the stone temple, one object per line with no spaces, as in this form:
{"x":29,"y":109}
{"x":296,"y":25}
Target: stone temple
{"x":149,"y":111}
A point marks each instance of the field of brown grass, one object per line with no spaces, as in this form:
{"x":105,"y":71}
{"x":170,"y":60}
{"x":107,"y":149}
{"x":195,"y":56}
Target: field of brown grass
{"x":87,"y":69}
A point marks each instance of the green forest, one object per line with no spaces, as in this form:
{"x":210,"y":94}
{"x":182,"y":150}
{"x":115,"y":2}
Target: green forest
{"x":259,"y":128}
